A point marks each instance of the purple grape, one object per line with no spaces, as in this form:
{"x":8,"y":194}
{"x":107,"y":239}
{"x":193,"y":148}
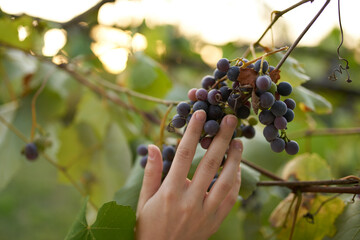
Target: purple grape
{"x":201,"y":94}
{"x":218,"y":74}
{"x":242,"y":112}
{"x":223,"y":65}
{"x":201,"y":105}
{"x":257,"y":66}
{"x":279,"y":108}
{"x":205,"y":142}
{"x":192,"y":94}
{"x":207,"y":82}
{"x":271,"y":68}
{"x":31,"y":151}
{"x":166,"y":166}
{"x":142,"y":150}
{"x":292,"y":147}
{"x":143,"y":161}
{"x":211,"y":127}
{"x":280,"y":122}
{"x":183,"y":109}
{"x":233,"y":100}
{"x":168,"y":153}
{"x":284,"y":88}
{"x":178,"y":121}
{"x":290,"y":103}
{"x":215,"y":112}
{"x":233,"y":73}
{"x":266,"y":100}
{"x":225,"y":93}
{"x":211,"y":184}
{"x":248,"y":131}
{"x":214,"y":97}
{"x":266,"y":117}
{"x":289,"y":115}
{"x":263,"y":83}
{"x":270,"y":132}
{"x":277,"y":145}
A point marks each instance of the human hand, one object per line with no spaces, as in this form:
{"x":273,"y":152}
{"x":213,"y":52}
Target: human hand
{"x":183,"y":209}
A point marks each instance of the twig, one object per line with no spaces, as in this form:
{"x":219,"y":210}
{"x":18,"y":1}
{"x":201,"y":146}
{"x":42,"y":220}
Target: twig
{"x":325,"y":132}
{"x":293,"y":184}
{"x":292,"y":47}
{"x":297,"y":207}
{"x":162,"y":126}
{"x":262,"y":170}
{"x":278,"y":14}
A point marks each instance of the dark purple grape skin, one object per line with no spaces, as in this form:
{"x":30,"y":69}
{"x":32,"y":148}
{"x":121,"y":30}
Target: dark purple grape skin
{"x":201,"y":94}
{"x":266,"y":100}
{"x":142,"y":150}
{"x":211,"y":184}
{"x":279,"y":108}
{"x":263,"y":83}
{"x":214,"y":97}
{"x":242,"y":112}
{"x":233,"y":100}
{"x":178,"y":121}
{"x":201,"y":105}
{"x":290,"y":103}
{"x":292,"y":147}
{"x":215,"y":112}
{"x":183,"y":109}
{"x":143,"y":161}
{"x":31,"y":151}
{"x":289,"y":115}
{"x":277,"y":145}
{"x":207,"y":82}
{"x":211,"y":127}
{"x":266,"y":117}
{"x":271,"y":68}
{"x":225,"y":92}
{"x":248,"y":131}
{"x":168,"y":153}
{"x":205,"y":142}
{"x":270,"y":132}
{"x":166,"y":166}
{"x":280,"y":123}
{"x":284,"y":88}
{"x":223,"y":64}
{"x":218,"y":74}
{"x":257,"y":66}
{"x":233,"y":73}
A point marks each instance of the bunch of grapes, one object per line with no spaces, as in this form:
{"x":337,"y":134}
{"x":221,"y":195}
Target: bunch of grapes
{"x":168,"y":153}
{"x":253,"y":86}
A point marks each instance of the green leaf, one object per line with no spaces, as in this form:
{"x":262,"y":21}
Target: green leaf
{"x":291,"y":70}
{"x":348,"y":223}
{"x":324,"y":219}
{"x":113,"y":222}
{"x":128,"y":195}
{"x":310,"y":101}
{"x":249,"y":179}
{"x":9,"y":31}
{"x":146,"y":76}
{"x":307,"y":167}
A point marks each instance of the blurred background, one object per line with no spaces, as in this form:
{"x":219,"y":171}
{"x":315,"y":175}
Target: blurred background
{"x":160,"y":48}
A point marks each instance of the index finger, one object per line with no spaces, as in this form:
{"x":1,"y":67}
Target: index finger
{"x":186,"y":149}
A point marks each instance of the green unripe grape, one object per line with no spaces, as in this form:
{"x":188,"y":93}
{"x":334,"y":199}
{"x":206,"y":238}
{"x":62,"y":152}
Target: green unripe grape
{"x":273,"y":88}
{"x":252,"y":121}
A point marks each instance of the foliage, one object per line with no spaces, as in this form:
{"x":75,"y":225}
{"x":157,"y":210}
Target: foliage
{"x":94,"y":130}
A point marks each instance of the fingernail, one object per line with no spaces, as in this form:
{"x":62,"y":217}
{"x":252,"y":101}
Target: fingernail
{"x":200,"y":115}
{"x":231,"y":120}
{"x":151,"y":154}
{"x":238,"y":144}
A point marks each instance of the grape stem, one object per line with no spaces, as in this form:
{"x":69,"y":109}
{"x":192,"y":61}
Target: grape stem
{"x":62,"y":169}
{"x":293,"y":46}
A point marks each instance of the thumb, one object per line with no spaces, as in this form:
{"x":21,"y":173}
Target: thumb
{"x":152,"y":175}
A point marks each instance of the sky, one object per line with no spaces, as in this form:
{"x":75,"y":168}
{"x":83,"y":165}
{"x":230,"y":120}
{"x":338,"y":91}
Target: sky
{"x":215,"y":22}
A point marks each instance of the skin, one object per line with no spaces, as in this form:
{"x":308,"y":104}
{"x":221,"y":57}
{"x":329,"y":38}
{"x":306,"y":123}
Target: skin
{"x":180,"y":208}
